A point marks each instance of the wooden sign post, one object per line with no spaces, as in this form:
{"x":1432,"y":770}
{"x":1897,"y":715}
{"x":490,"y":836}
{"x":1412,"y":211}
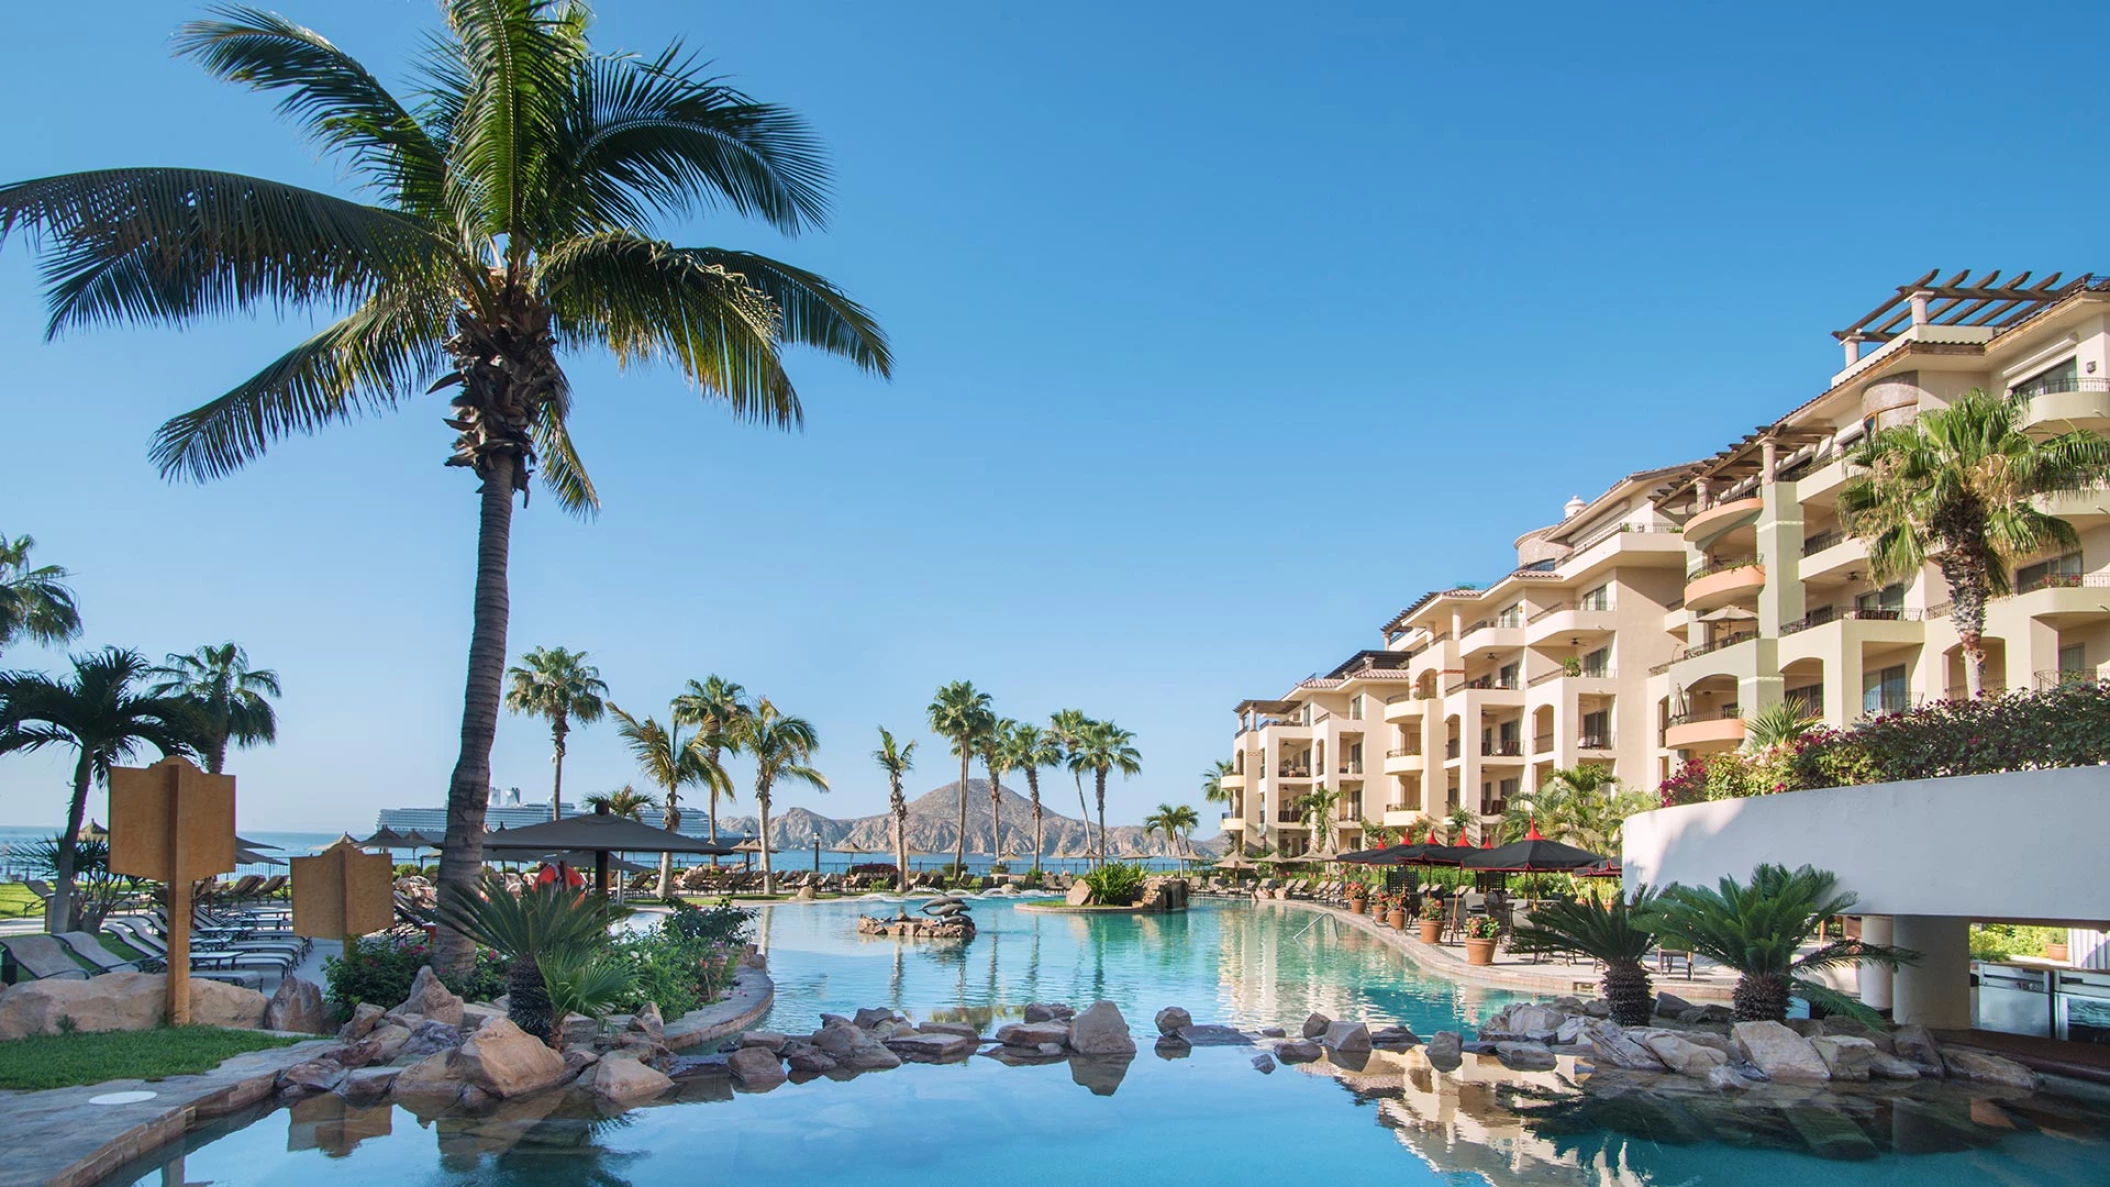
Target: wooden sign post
{"x":174,"y":824}
{"x":343,"y":893}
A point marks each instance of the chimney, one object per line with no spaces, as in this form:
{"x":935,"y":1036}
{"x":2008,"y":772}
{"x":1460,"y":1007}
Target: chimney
{"x":1573,"y":507}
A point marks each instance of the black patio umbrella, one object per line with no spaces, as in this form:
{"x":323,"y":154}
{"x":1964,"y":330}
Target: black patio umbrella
{"x":386,"y":838}
{"x":1414,"y":855}
{"x":574,"y":858}
{"x":1532,"y":855}
{"x":600,"y":834}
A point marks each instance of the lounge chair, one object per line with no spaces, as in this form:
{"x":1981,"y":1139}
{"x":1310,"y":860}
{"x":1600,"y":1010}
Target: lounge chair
{"x":90,"y":949}
{"x":42,"y":957}
{"x":143,"y":935}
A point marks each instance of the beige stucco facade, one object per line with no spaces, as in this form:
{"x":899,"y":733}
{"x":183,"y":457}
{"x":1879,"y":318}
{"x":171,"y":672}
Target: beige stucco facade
{"x":1647,"y":624}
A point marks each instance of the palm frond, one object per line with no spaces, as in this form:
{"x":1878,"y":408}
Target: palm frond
{"x":562,"y":471}
{"x":810,"y":310}
{"x":335,"y":99}
{"x":520,"y":58}
{"x":167,"y":245}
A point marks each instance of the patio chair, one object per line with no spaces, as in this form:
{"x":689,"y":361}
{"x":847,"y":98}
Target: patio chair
{"x":1667,"y":961}
{"x":42,"y":957}
{"x":140,"y":934}
{"x":90,"y":949}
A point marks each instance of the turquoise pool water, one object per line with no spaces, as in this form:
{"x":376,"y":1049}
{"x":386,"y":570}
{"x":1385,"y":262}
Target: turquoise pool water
{"x":1206,"y":1119}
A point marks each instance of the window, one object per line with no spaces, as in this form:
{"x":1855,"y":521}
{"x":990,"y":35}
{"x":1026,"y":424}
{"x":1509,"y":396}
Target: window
{"x":1597,"y":599}
{"x":1598,"y":662}
{"x":1808,"y":699}
{"x":2062,"y":378}
{"x":1597,"y":730}
{"x":2059,"y":572}
{"x":1511,"y":616}
{"x":1888,"y":600}
{"x":2073,"y":661}
{"x":1884,"y":691}
{"x":1355,"y":707}
{"x":1506,"y":677}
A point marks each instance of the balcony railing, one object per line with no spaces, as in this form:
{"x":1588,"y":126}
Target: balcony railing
{"x":2064,"y":678}
{"x":1289,"y":772}
{"x":1542,"y":743}
{"x":1813,"y":545}
{"x":1817,"y":618}
{"x":1404,"y":806}
{"x":1713,"y":565}
{"x":1548,"y":612}
{"x":1719,"y":713}
{"x":1403,"y":752}
{"x":1597,"y":742}
{"x":1502,"y":748}
{"x":1450,"y":749}
{"x":1482,"y":683}
{"x":1288,"y":816}
{"x":2096,"y":580}
{"x":1353,"y":767}
{"x":2063,"y":383}
{"x":1620,"y":529}
{"x":1707,"y":648}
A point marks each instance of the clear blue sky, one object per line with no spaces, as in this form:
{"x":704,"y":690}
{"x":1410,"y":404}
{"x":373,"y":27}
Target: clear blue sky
{"x":1192,"y":304}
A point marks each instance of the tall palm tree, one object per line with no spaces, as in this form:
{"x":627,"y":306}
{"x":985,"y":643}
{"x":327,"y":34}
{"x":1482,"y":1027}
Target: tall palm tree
{"x":1028,"y":749}
{"x":1617,"y":934}
{"x":960,"y":712}
{"x":782,"y":748}
{"x":996,"y":759}
{"x":232,"y":699}
{"x":625,"y":801}
{"x":1958,"y":486}
{"x":1759,"y":929}
{"x":1066,"y":727}
{"x":720,"y":711}
{"x":897,"y":761}
{"x":1213,"y":789}
{"x":508,"y":224}
{"x":35,"y":603}
{"x":1583,"y":805}
{"x":671,"y":762}
{"x":1104,"y":747}
{"x":101,"y":712}
{"x":1176,"y":822}
{"x":1317,"y":806}
{"x":561,"y":687}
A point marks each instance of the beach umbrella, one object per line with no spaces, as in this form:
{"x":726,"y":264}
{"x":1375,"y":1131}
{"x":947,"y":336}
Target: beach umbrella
{"x":1608,"y":868}
{"x":92,"y":831}
{"x":385,"y":838}
{"x":250,"y":857}
{"x":1533,"y":854}
{"x":600,"y":833}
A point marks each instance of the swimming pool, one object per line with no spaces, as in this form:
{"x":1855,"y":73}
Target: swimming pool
{"x":1208,"y":1117}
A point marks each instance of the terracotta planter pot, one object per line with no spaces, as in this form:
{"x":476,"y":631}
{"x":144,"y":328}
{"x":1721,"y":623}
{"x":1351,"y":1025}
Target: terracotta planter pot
{"x":2056,"y":950}
{"x":1479,"y":951}
{"x":1398,"y":919}
{"x":1358,"y":906}
{"x":1431,"y":931}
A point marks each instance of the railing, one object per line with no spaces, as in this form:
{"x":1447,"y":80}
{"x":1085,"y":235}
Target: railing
{"x":1722,"y":565}
{"x":1817,"y":618}
{"x":1714,"y":645}
{"x":1293,"y":772}
{"x":2064,"y":383}
{"x":1621,"y":529}
{"x":1813,"y":545}
{"x":1404,"y":806}
{"x":1721,"y":713}
{"x":1425,"y":694}
{"x":1288,"y":816}
{"x":1484,"y":682}
{"x":1542,"y":743}
{"x":2064,"y":678}
{"x":1450,"y":749}
{"x":1597,"y":742}
{"x":1403,"y":752}
{"x":1548,"y":612}
{"x":1351,"y":768}
{"x":1510,"y":748}
{"x":1544,"y":677}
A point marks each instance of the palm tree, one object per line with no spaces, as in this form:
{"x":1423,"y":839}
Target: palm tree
{"x":35,"y":603}
{"x":230,"y":698}
{"x":1067,"y":727}
{"x":996,"y":759}
{"x":1617,"y":934}
{"x":1213,"y":789}
{"x":1317,"y":806}
{"x":1581,"y":805}
{"x":720,"y":711}
{"x":1176,"y":822}
{"x":1104,"y":747}
{"x":671,"y":763}
{"x":508,"y":225}
{"x":541,"y":924}
{"x":1028,"y":749}
{"x":1783,"y":724}
{"x":562,"y":687}
{"x":783,"y":749}
{"x":961,"y":713}
{"x":1759,"y":929}
{"x":897,"y":761}
{"x":98,"y":711}
{"x":625,"y":801}
{"x":1959,"y":486}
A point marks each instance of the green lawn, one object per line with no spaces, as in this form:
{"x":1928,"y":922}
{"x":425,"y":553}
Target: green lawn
{"x":16,"y":901}
{"x":64,"y":1060}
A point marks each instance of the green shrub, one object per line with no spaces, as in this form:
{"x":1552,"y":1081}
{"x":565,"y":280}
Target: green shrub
{"x":1116,"y":884}
{"x":722,"y":923}
{"x":1999,"y":941}
{"x":380,"y":968}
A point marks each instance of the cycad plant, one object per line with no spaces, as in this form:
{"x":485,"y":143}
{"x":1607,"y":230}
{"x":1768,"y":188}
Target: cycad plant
{"x":1781,"y":724}
{"x":504,"y":219}
{"x":1616,"y":933}
{"x":1759,"y":929}
{"x":542,"y":923}
{"x":1958,"y":486}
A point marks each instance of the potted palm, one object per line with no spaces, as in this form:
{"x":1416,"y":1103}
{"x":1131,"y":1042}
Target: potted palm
{"x":1616,"y":934}
{"x":1480,"y":933}
{"x":1431,"y":919}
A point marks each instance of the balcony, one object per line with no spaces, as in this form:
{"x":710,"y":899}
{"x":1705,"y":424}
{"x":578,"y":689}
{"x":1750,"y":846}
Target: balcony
{"x":1542,"y":744}
{"x":1830,"y":614}
{"x":1493,"y":634}
{"x":1828,"y":554}
{"x":1403,"y":762}
{"x":1405,"y":708}
{"x":1706,"y":525}
{"x":1718,"y":643}
{"x":1233,"y":780}
{"x":1704,"y":734}
{"x":1564,"y":621}
{"x":2082,"y":508}
{"x":1233,"y":824}
{"x":1289,"y":816}
{"x":1401,"y":815}
{"x":1293,"y":772}
{"x":2081,"y":401}
{"x":1502,"y":748}
{"x":1812,"y":545}
{"x":1451,"y":750}
{"x":1657,"y":539}
{"x":1596,"y":742}
{"x":1723,"y":581}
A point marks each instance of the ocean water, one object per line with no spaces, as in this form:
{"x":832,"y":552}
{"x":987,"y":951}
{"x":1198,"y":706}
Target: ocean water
{"x":1205,"y":1117}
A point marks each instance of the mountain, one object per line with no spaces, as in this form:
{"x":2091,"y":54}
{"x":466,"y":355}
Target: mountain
{"x":933,"y":826}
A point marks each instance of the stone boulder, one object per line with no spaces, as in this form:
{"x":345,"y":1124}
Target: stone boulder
{"x":866,"y":1056}
{"x":1172,"y":1018}
{"x":1315,"y":1025}
{"x":430,"y":999}
{"x":1032,"y":1034}
{"x":622,"y":1081}
{"x":475,"y":1014}
{"x":216,"y":1003}
{"x":769,"y":1040}
{"x":297,"y":1006}
{"x":365,"y":1086}
{"x":1347,"y":1038}
{"x":365,"y":1017}
{"x":1264,"y":1062}
{"x":809,"y":1061}
{"x":837,"y":1041}
{"x":1726,"y":1078}
{"x":116,"y":1001}
{"x":1965,"y":1063}
{"x":1048,"y":1012}
{"x":756,"y":1069}
{"x":648,"y":1023}
{"x":935,"y":1048}
{"x":874,"y":1015}
{"x":1916,"y":1046}
{"x":1684,"y":1056}
{"x":1273,"y":1032}
{"x":1670,"y":1005}
{"x":506,"y":1061}
{"x":1445,"y":1050}
{"x":1526,"y":1057}
{"x":430,"y":1036}
{"x":1846,"y":1057}
{"x":310,"y":1078}
{"x":1101,"y":1030}
{"x":962,"y":1029}
{"x":1524,"y":1020}
{"x":1298,"y":1051}
{"x":432,"y":1081}
{"x":1394,"y":1038}
{"x":1779,"y":1052}
{"x":1080,"y":894}
{"x":1610,"y":1044}
{"x":383,"y":1044}
{"x":1891,"y":1067}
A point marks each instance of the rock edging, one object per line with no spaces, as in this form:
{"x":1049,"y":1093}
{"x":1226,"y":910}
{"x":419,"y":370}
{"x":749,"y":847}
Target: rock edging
{"x":752,"y":994}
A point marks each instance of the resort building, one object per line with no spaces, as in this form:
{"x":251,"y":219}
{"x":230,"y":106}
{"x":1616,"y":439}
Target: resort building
{"x":1650,"y":622}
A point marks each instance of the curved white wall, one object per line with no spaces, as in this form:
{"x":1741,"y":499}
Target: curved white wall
{"x":2028,"y":845}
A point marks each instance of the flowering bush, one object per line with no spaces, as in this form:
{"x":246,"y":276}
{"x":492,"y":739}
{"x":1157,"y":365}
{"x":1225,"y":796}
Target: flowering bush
{"x":1482,"y":927}
{"x":380,"y":968}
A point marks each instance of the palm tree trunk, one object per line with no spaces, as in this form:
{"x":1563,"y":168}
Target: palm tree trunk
{"x":672,"y":820}
{"x":216,"y":755}
{"x":713,"y":789}
{"x":59,"y":914}
{"x":1968,"y":587}
{"x":558,"y":729}
{"x":762,"y":803}
{"x":1033,"y":785}
{"x":1099,"y":784}
{"x":469,"y":791}
{"x":959,"y":845}
{"x":900,"y":816}
{"x":1084,"y":810}
{"x":996,"y":815}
